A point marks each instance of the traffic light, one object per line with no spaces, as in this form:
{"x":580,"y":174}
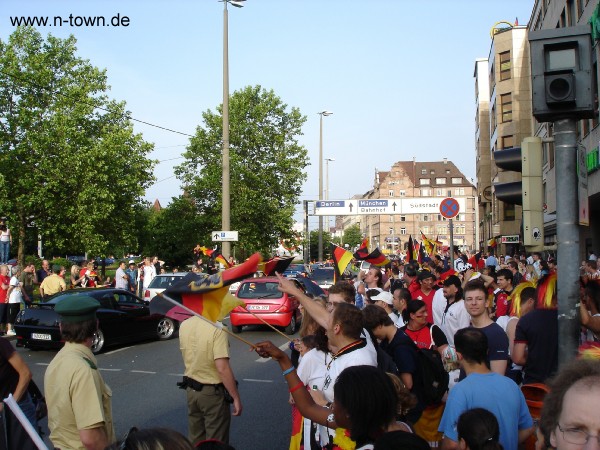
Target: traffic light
{"x":528,"y":192}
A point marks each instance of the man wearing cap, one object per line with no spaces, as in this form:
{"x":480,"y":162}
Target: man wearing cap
{"x":79,"y":402}
{"x":53,"y":283}
{"x":132,"y":273}
{"x":385,"y":300}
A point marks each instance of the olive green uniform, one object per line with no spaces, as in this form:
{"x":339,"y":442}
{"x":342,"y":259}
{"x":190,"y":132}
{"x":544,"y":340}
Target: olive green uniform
{"x":76,"y":396}
{"x":201,"y":343}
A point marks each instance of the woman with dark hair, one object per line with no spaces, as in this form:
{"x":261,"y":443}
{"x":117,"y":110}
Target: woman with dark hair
{"x":478,"y":430}
{"x":365,"y":402}
{"x":152,"y":439}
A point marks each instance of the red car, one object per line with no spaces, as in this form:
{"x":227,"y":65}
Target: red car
{"x":264,"y":300}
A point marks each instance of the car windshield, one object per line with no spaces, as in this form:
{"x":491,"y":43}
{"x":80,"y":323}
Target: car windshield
{"x":164,"y":281}
{"x":322,"y":275}
{"x":296,"y":268}
{"x":251,"y":289}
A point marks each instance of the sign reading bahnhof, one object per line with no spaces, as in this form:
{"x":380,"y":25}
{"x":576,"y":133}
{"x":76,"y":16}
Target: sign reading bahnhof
{"x":419,"y":205}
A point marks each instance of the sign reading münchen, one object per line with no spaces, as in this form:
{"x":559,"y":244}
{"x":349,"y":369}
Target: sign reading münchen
{"x":414,"y":205}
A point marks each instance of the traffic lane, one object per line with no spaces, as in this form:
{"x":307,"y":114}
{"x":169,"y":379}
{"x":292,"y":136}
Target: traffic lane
{"x":143,"y":380}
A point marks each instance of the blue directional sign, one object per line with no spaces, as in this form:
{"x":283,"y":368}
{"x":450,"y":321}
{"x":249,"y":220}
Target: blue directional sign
{"x":330,"y":204}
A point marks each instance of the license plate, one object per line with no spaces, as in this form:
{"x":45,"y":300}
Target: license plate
{"x":258,"y":307}
{"x":41,"y":336}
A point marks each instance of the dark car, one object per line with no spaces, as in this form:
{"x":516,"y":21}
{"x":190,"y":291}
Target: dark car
{"x":122,"y":318}
{"x":297,"y":270}
{"x":323,"y":277}
{"x":310,"y":287}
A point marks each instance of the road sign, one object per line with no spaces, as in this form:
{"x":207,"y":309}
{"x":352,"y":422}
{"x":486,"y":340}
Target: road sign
{"x":224,"y":236}
{"x":449,"y":208}
{"x":414,"y":205}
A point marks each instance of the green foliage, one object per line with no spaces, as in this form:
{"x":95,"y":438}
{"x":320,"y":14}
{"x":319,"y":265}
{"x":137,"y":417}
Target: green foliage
{"x":314,"y":245}
{"x":69,"y":157}
{"x":353,"y":236}
{"x":266,"y":166}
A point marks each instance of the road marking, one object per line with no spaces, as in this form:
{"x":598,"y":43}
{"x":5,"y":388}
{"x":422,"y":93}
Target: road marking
{"x":117,"y":350}
{"x":42,"y":364}
{"x":176,"y":374}
{"x":110,"y":370}
{"x":282,"y":347}
{"x":257,"y":381}
{"x":143,"y":371}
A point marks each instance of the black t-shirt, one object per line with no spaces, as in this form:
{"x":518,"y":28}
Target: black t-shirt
{"x":9,"y":377}
{"x":539,"y":330}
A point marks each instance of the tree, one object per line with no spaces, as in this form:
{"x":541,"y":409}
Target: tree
{"x":353,"y":236}
{"x":266,"y":166}
{"x":314,"y":245}
{"x":70,"y":160}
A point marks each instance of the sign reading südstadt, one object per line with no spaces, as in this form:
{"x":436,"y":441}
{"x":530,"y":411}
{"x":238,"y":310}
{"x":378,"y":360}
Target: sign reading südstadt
{"x":415,"y":205}
{"x":224,"y":236}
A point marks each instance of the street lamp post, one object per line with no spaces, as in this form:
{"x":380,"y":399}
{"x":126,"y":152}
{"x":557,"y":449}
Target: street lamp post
{"x":327,"y":160}
{"x":225,"y":196}
{"x":322,"y":113}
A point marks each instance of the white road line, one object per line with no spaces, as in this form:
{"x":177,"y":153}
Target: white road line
{"x":42,"y":364}
{"x":110,"y":370}
{"x":175,"y":374}
{"x":143,"y":371}
{"x":257,"y":381}
{"x":282,"y":347}
{"x":117,"y":350}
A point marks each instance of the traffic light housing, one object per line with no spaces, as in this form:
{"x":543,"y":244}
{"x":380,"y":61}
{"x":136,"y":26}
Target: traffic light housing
{"x":528,"y":192}
{"x":561,"y":73}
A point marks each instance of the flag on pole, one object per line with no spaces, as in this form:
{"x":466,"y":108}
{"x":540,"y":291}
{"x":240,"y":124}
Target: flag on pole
{"x":363,"y":250}
{"x":410,"y":250}
{"x":341,"y":258}
{"x":208,"y":295}
{"x":277,"y":264}
{"x":376,"y":258}
{"x":428,"y":243}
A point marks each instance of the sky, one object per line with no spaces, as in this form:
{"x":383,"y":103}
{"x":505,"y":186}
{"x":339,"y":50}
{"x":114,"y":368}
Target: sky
{"x":397,"y":74}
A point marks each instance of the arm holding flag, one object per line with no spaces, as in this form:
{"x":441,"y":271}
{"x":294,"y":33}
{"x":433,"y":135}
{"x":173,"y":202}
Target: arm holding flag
{"x":314,"y":309}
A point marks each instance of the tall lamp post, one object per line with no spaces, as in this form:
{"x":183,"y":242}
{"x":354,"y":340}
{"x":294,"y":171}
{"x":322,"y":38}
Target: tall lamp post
{"x":322,"y":113}
{"x":225,"y":196}
{"x":327,"y":160}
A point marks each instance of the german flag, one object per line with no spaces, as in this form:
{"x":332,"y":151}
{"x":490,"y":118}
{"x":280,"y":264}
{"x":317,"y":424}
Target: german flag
{"x":376,"y":258}
{"x":341,"y":258}
{"x":221,"y":259}
{"x":428,"y":244}
{"x":411,"y":250}
{"x":277,"y":264}
{"x":363,"y":250}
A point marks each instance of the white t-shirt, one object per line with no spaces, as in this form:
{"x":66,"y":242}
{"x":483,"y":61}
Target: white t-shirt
{"x":454,"y":319}
{"x":5,"y":236}
{"x":438,"y":306}
{"x":120,"y":281}
{"x":149,"y":274}
{"x":16,"y":296}
{"x":312,"y":368}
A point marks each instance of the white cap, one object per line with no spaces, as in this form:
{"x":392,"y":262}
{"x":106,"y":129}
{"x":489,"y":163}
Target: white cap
{"x":131,"y":261}
{"x":384,"y":296}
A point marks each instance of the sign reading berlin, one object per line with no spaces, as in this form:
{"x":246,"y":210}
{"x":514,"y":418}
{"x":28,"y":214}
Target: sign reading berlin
{"x":449,"y":208}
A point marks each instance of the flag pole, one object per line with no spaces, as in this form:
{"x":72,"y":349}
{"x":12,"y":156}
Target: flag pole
{"x":268,"y":324}
{"x":214,"y":324}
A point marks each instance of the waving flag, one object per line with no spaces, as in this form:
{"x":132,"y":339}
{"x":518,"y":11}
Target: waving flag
{"x":277,"y":264}
{"x":410,"y":255}
{"x":376,"y":258}
{"x":207,"y":295}
{"x":341,"y":258}
{"x":363,"y":250}
{"x":428,"y":244}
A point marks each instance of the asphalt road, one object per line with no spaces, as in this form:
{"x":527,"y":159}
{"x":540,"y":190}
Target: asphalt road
{"x":143,"y":380}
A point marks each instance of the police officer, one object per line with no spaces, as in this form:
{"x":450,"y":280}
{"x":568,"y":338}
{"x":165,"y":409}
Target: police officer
{"x":205,"y":350}
{"x":79,"y":402}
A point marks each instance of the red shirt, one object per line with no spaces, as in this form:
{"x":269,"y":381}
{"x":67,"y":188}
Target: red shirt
{"x":6,"y":281}
{"x":428,"y":299}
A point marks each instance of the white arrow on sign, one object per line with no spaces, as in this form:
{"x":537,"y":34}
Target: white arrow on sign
{"x":224,"y":236}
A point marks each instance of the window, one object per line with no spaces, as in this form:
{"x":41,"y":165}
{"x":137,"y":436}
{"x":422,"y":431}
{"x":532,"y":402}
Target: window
{"x":456,"y":180}
{"x":432,"y":172}
{"x":508,"y":142}
{"x":423,"y":171}
{"x":459,"y":191}
{"x":402,"y":218}
{"x":441,"y":229}
{"x":493,"y":118}
{"x":402,"y":193}
{"x":426,"y":192}
{"x":402,"y":230}
{"x":505,"y":65}
{"x":492,"y":77}
{"x":391,"y":231}
{"x":426,"y":229}
{"x":458,"y":218}
{"x":440,"y":181}
{"x":439,"y":193}
{"x":447,"y":171}
{"x":391,"y":192}
{"x":509,"y":212}
{"x":440,"y":218}
{"x":425,"y":218}
{"x":506,"y":107}
{"x":424,"y":181}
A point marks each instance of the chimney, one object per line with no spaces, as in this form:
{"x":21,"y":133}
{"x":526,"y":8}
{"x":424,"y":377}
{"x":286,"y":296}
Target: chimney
{"x":445,"y":160}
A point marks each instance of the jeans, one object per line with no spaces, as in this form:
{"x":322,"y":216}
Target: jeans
{"x":4,"y":251}
{"x":28,"y":408}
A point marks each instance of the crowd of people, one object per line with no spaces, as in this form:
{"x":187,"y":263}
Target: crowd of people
{"x":358,"y":373}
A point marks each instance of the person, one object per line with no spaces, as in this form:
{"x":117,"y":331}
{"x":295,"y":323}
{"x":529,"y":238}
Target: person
{"x":4,"y":285}
{"x":90,"y":276}
{"x":401,"y":297}
{"x":53,"y":283}
{"x":149,"y":273}
{"x":385,"y":300}
{"x":152,"y":439}
{"x":5,"y":242}
{"x":76,"y":279}
{"x":121,"y":278}
{"x":372,"y":279}
{"x":15,"y":298}
{"x":78,"y":399}
{"x":208,"y":378}
{"x":43,"y":272}
{"x":15,"y":376}
{"x":426,"y":291}
{"x":497,"y":340}
{"x":569,"y":418}
{"x":502,"y":286}
{"x":27,"y":280}
{"x":449,"y":311}
{"x":156,"y":264}
{"x":478,"y":429}
{"x":513,"y":266}
{"x":132,"y":274}
{"x":483,"y":388}
{"x":365,"y":401}
{"x":589,"y":312}
{"x":536,"y":335}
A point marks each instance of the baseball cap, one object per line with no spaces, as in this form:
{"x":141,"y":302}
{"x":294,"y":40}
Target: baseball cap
{"x":131,"y":261}
{"x":384,"y":296}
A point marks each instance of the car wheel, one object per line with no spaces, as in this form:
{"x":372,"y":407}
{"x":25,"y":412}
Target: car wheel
{"x":98,"y":342}
{"x":165,"y":329}
{"x":236,"y":329}
{"x":291,"y":328}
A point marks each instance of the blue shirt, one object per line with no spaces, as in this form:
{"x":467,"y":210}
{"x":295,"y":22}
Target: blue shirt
{"x":498,"y":394}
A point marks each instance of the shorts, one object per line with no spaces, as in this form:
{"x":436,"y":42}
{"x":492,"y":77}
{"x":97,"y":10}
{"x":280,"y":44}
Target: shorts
{"x":13,"y":310}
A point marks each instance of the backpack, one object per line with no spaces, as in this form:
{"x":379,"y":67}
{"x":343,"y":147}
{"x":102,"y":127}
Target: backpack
{"x":434,"y":378}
